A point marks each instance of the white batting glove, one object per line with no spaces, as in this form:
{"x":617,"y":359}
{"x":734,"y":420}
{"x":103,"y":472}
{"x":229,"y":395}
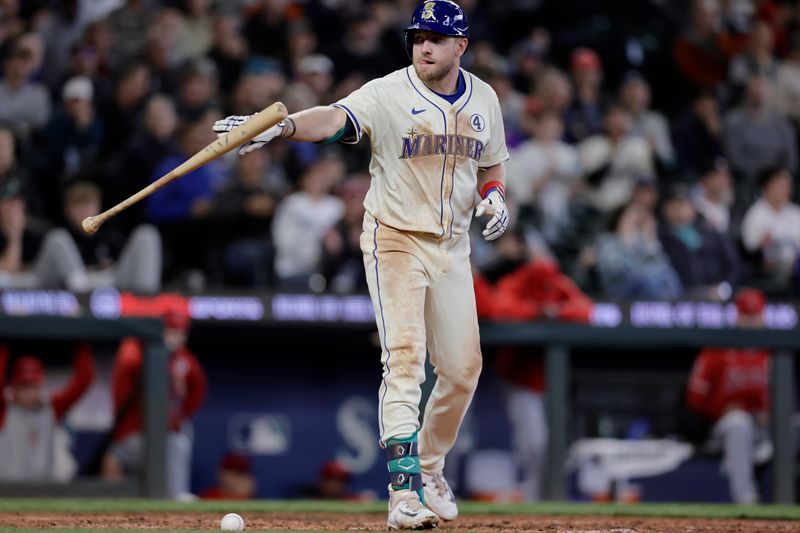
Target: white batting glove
{"x":493,"y":205}
{"x":226,"y":124}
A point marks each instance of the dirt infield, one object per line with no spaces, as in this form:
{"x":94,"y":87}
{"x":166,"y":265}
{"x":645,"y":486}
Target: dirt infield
{"x":377,"y":522}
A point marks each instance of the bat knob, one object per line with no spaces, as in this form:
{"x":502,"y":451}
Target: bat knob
{"x":91,"y":224}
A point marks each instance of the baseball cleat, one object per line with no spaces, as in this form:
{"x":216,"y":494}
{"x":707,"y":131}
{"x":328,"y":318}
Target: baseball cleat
{"x":438,"y":496}
{"x":407,"y":512}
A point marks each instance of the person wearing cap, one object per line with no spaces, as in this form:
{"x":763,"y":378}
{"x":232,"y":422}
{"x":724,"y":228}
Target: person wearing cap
{"x":332,"y":483}
{"x":235,"y":479}
{"x":316,"y":71}
{"x":729,"y":388}
{"x":261,"y":82}
{"x":71,"y":142}
{"x":706,"y":260}
{"x":31,"y":446}
{"x":436,"y":136}
{"x":585,"y":115}
{"x":188,"y":386}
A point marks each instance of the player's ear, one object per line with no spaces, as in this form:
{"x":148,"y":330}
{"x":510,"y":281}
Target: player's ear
{"x":461,"y":46}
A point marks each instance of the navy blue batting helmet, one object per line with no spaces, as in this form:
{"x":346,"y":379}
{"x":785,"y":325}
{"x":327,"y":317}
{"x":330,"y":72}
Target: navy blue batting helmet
{"x":439,"y":16}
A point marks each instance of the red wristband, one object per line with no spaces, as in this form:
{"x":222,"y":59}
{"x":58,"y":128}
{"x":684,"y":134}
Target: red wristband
{"x":490,"y":185}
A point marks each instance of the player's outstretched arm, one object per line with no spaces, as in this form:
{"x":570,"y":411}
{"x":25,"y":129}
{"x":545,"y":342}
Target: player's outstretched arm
{"x":314,"y":124}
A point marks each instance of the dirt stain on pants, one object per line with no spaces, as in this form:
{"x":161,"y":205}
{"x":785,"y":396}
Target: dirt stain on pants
{"x":422,"y":292}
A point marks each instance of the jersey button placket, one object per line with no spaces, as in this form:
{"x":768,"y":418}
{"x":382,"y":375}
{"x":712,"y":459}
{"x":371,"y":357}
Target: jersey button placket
{"x":450,"y":176}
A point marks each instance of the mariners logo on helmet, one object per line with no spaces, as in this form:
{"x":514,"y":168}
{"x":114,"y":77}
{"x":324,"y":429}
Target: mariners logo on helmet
{"x":427,"y":12}
{"x":439,"y":16}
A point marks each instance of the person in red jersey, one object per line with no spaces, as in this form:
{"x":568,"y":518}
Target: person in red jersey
{"x":30,"y":446}
{"x":187,"y":391}
{"x":235,"y":479}
{"x":729,"y":387}
{"x":535,"y":290}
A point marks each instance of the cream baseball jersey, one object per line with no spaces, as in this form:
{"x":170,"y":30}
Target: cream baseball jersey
{"x":426,"y":152}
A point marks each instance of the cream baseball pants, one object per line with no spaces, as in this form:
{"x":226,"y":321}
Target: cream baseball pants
{"x":422,"y":292}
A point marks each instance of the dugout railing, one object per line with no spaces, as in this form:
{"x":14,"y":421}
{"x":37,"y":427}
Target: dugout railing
{"x":152,"y":482}
{"x":558,"y":340}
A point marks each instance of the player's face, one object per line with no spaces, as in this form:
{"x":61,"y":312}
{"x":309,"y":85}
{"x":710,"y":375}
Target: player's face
{"x":435,"y":55}
{"x":27,"y":396}
{"x":750,"y":320}
{"x":174,"y":338}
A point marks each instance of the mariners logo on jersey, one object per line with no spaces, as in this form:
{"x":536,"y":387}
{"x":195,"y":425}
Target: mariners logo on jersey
{"x":427,"y":12}
{"x":423,"y":145}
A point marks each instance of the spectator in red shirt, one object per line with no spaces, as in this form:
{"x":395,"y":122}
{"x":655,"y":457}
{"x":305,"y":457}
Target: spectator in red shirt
{"x":728,"y":386}
{"x":703,"y":50}
{"x":236,"y":480}
{"x":32,"y":449}
{"x":187,"y":392}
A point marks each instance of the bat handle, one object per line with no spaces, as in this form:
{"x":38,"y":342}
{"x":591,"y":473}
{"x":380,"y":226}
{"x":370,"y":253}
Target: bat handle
{"x":92,"y":224}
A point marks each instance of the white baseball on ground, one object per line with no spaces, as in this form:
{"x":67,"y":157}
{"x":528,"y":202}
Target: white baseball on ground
{"x":231,"y":522}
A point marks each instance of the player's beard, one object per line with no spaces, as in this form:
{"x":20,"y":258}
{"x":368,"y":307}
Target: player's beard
{"x":435,"y":74}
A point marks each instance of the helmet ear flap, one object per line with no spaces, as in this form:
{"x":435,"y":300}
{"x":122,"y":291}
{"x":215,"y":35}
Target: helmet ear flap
{"x":408,"y":40}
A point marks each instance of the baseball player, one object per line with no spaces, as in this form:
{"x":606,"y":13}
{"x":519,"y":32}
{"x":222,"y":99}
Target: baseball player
{"x":730,"y":387}
{"x":32,"y":448}
{"x":188,"y":387}
{"x":437,"y":139}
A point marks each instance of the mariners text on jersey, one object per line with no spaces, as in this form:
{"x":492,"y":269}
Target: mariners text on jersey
{"x":421,"y":145}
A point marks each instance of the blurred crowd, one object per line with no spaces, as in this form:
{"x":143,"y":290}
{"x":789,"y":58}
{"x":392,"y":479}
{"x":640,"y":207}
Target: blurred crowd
{"x":653,"y":144}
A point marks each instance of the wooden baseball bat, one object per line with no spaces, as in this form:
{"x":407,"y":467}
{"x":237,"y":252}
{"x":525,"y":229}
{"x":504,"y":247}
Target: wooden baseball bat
{"x":258,"y":123}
